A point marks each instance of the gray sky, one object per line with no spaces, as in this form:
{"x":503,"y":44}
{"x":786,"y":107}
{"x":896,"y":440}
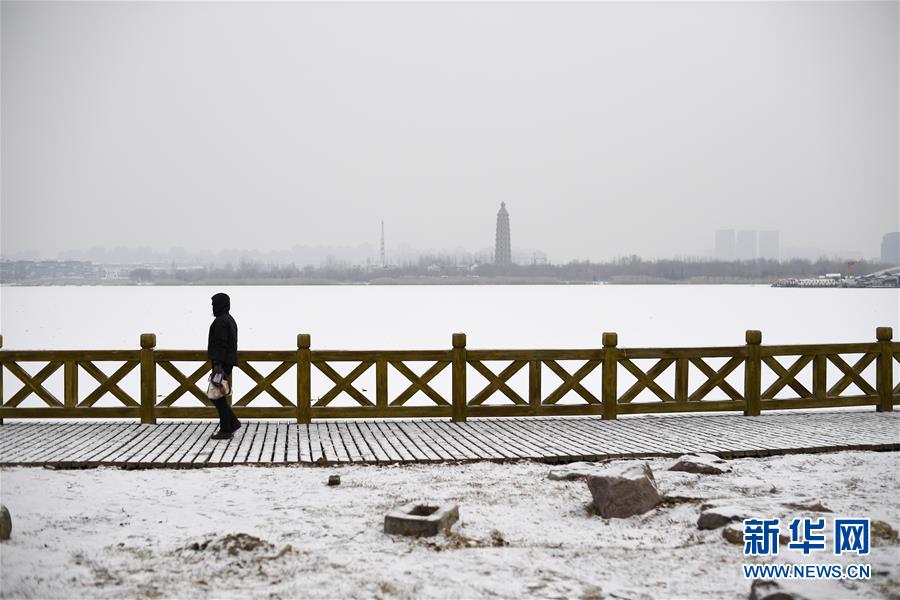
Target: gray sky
{"x":607,"y":128}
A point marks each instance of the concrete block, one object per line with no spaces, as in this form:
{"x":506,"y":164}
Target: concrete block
{"x":421,"y":519}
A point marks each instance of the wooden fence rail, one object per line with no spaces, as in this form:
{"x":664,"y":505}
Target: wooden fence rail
{"x":676,"y":380}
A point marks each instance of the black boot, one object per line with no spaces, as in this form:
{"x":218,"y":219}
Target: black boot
{"x":228,"y":423}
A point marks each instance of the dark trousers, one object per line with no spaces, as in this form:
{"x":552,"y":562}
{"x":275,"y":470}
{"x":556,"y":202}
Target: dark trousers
{"x":228,"y":423}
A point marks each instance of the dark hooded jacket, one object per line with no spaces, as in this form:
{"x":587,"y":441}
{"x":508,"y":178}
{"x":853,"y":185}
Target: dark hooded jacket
{"x":222,"y":347}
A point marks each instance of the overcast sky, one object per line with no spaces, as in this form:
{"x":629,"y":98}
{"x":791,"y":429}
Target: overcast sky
{"x":607,"y":128}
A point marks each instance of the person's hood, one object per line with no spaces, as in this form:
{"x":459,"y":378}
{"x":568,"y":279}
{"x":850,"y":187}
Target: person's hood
{"x":221,"y":304}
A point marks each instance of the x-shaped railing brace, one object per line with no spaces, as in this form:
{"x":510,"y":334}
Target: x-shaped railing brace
{"x":786,"y":377}
{"x":108,"y":384}
{"x":419,"y":384}
{"x":33,"y":385}
{"x":343,"y":384}
{"x":571,"y":382}
{"x":497,"y":382}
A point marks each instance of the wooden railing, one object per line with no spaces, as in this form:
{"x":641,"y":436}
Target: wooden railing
{"x":749,"y":378}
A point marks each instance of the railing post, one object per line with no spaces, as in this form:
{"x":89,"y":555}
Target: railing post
{"x":381,"y":387}
{"x":70,"y":384}
{"x":148,"y":378}
{"x":752,"y":373}
{"x":609,"y":391}
{"x":459,"y":377}
{"x":304,"y":380}
{"x":1,"y":378}
{"x":534,"y":386}
{"x":884,"y":335}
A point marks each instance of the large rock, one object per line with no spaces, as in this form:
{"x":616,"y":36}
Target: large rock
{"x":735,"y":535}
{"x":762,"y":589}
{"x":804,"y":589}
{"x":719,"y":516}
{"x":707,"y":464}
{"x":5,"y":523}
{"x":624,"y":489}
{"x":577,"y":470}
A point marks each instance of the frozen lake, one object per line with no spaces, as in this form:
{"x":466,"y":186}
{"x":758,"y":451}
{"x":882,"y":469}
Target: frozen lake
{"x":422,"y":317}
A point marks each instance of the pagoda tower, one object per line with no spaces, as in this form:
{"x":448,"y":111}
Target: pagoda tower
{"x":502,"y":247}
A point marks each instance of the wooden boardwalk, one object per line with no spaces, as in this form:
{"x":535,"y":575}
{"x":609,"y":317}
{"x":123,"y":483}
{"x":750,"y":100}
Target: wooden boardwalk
{"x":186,"y":444}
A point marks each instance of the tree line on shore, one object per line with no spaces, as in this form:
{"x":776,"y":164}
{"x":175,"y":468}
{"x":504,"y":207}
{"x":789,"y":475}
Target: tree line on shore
{"x":435,"y":269}
{"x":623,"y":270}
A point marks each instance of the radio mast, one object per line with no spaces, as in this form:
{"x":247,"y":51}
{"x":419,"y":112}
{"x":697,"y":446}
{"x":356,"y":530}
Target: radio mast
{"x":383,"y":261}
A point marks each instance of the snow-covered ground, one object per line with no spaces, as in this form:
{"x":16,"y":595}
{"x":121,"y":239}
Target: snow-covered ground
{"x":281,"y":532}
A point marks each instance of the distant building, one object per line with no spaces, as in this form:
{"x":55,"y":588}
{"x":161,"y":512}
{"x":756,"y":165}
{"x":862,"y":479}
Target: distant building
{"x":745,"y":245}
{"x":890,"y":248}
{"x":502,"y":247}
{"x":768,"y":245}
{"x":725,"y":244}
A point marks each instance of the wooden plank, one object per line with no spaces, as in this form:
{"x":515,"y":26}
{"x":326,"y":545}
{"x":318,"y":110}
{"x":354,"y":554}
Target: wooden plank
{"x":329,"y":452}
{"x":482,"y":428}
{"x":255,"y":453}
{"x":146,"y":434}
{"x":529,"y":355}
{"x":398,"y":436}
{"x":395,"y":451}
{"x":317,"y":451}
{"x":200,"y":451}
{"x":13,"y":356}
{"x":103,"y":454}
{"x":600,"y":438}
{"x":16,"y":436}
{"x":170,"y":445}
{"x":609,"y":437}
{"x":374,"y":355}
{"x":112,"y":437}
{"x":292,"y":452}
{"x":472,"y":431}
{"x":149,"y":457}
{"x":559,"y":441}
{"x":303,"y":446}
{"x":364,"y":412}
{"x":638,"y":408}
{"x":846,"y":401}
{"x":367,"y":453}
{"x":52,"y":446}
{"x":596,"y":435}
{"x":461,"y":450}
{"x":44,"y":433}
{"x":526,"y":448}
{"x":676,"y":353}
{"x":13,"y":433}
{"x":548,"y":447}
{"x":279,"y":450}
{"x":353,"y":451}
{"x":376,"y":452}
{"x":798,"y":349}
{"x":92,"y":412}
{"x":443,"y":447}
{"x":237,"y":446}
{"x":197,"y":436}
{"x":337,"y":444}
{"x":432,"y":450}
{"x":463,"y":437}
{"x":48,"y":450}
{"x":180,"y":446}
{"x":242,"y":453}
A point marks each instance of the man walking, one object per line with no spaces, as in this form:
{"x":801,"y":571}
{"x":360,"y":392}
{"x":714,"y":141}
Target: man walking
{"x":222,"y":350}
